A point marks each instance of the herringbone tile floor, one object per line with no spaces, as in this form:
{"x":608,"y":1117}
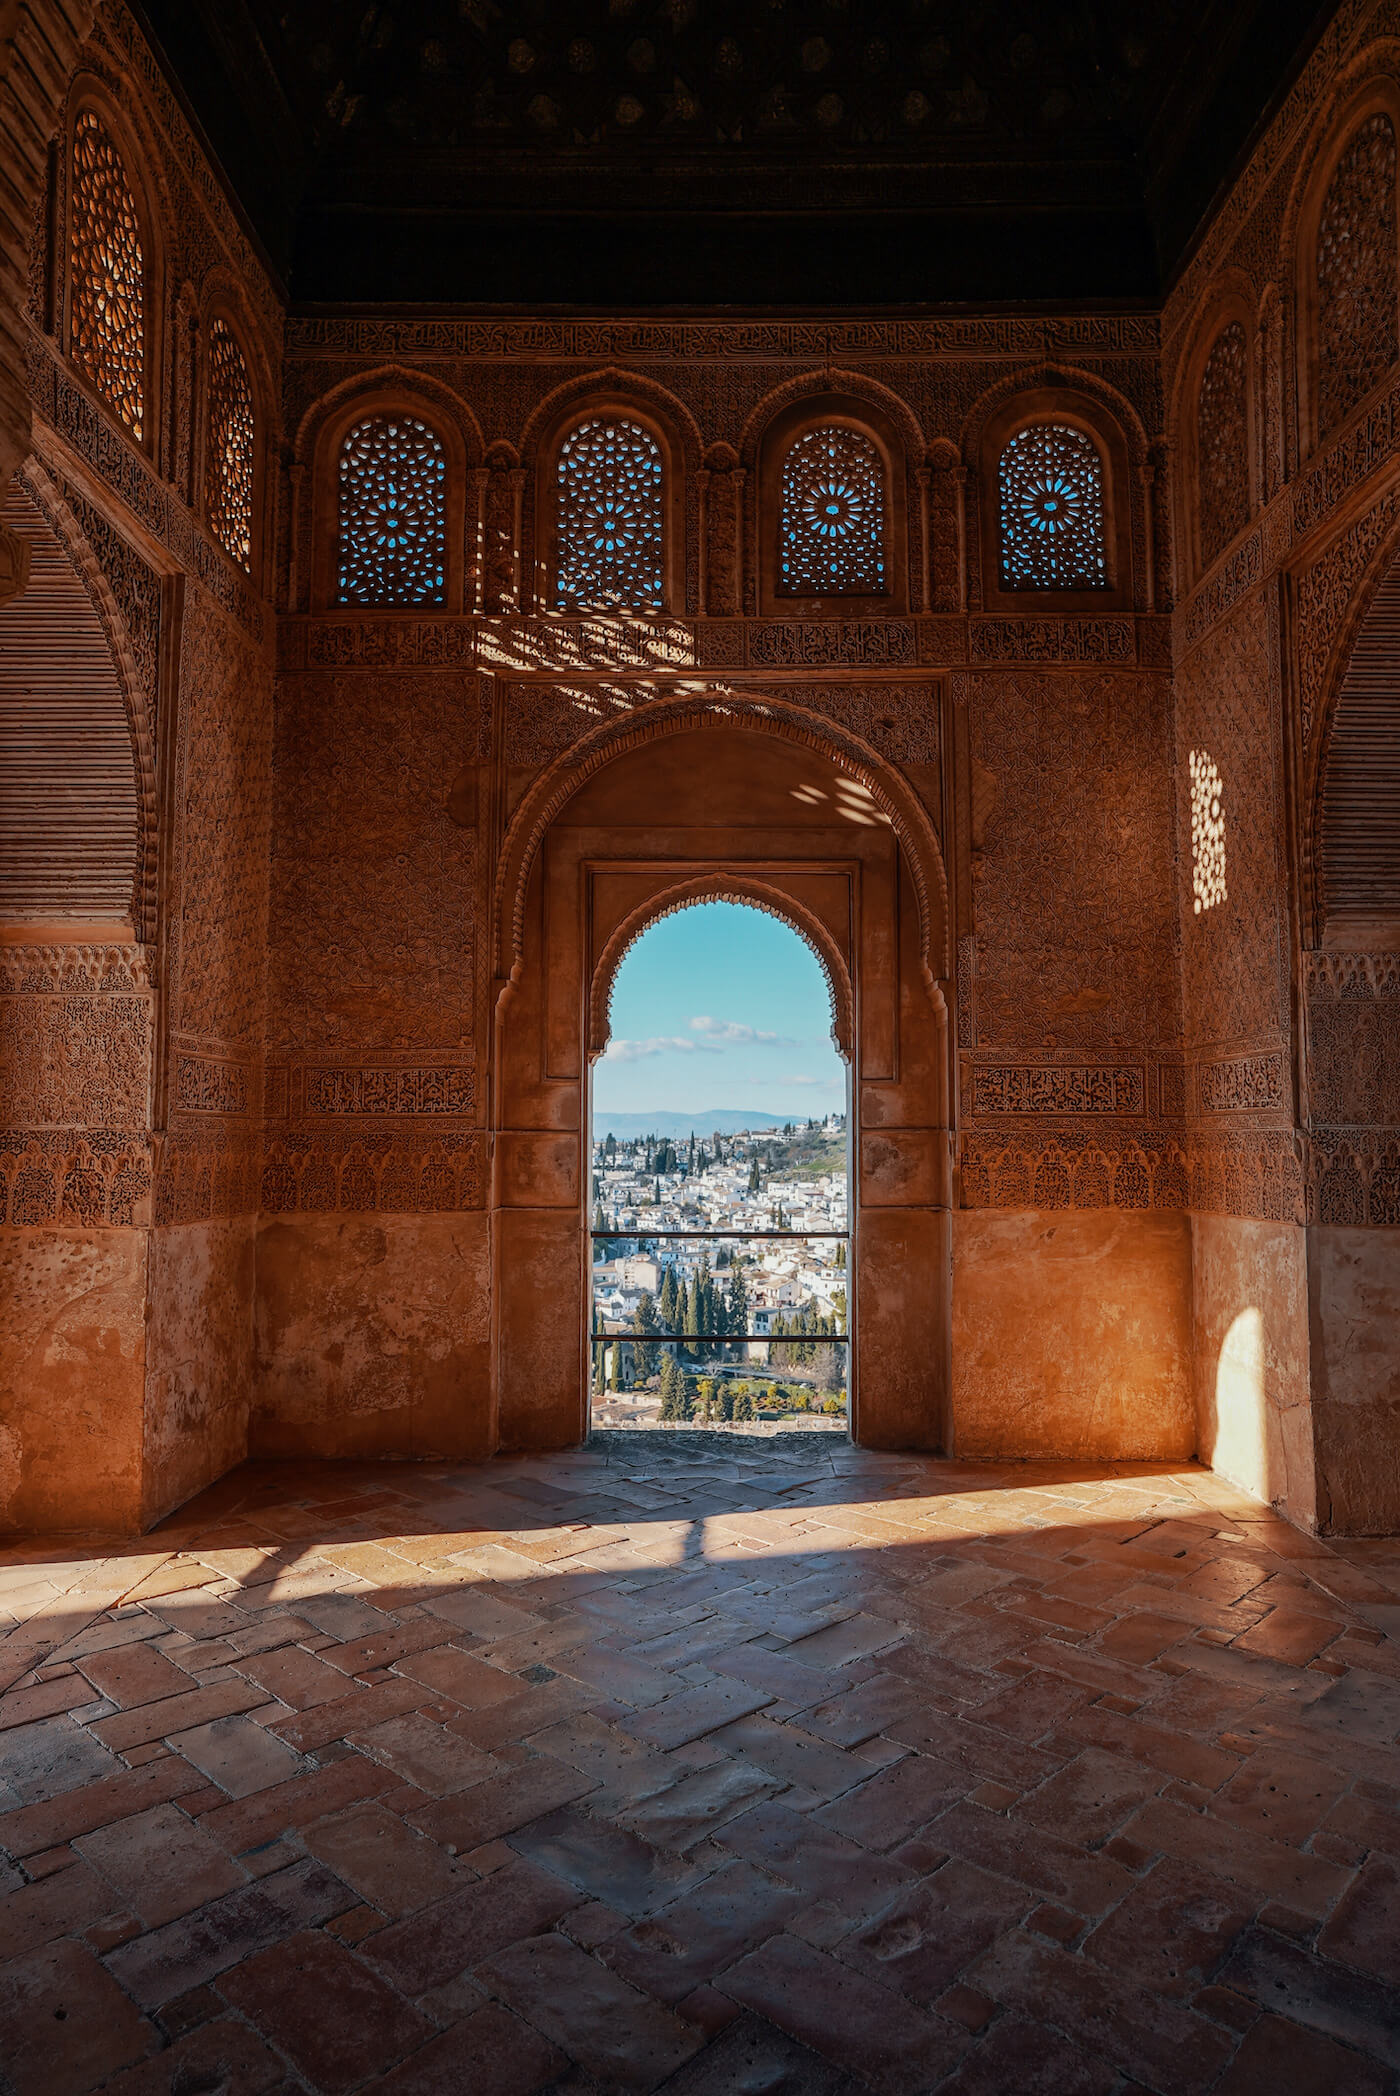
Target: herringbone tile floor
{"x":702,"y":1764}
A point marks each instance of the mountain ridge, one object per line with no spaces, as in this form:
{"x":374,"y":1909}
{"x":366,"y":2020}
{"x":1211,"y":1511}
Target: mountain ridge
{"x":708,"y":1121}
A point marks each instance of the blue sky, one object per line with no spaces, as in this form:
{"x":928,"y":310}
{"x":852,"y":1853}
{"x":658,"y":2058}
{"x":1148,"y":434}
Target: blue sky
{"x":721,"y":1006}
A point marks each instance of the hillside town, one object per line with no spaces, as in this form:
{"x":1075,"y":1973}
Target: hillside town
{"x":759,"y":1316}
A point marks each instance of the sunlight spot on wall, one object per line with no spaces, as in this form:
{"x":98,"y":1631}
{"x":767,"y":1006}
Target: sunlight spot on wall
{"x":1207,"y":833}
{"x":1241,"y":1448}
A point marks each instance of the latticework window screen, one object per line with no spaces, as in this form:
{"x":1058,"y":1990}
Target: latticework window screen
{"x":1358,"y":274}
{"x":831,"y":517}
{"x":609,"y":519}
{"x":107,"y":275}
{"x":393,"y":513}
{"x":229,"y":482}
{"x":1222,"y":441}
{"x":1050,"y":499}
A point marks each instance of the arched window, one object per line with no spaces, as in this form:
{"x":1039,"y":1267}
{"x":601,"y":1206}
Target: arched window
{"x":831,"y":517}
{"x":1222,"y":442}
{"x":393,"y":513}
{"x":609,"y":519}
{"x":107,"y":275}
{"x":1051,"y":509}
{"x":229,"y":480}
{"x":1357,"y":288}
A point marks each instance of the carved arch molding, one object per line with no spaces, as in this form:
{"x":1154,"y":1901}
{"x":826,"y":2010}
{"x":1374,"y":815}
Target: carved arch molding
{"x":895,"y":802}
{"x":722,"y":886}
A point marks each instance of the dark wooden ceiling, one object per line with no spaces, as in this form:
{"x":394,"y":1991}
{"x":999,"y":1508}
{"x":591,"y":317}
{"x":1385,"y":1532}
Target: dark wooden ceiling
{"x":799,"y":153}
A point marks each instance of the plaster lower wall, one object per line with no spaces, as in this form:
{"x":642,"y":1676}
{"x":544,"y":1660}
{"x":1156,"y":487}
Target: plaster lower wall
{"x":372,"y":1337}
{"x":1072,"y":1335}
{"x":72,"y":1370}
{"x":1250,"y":1359}
{"x":1354,"y":1326}
{"x":199,"y":1358}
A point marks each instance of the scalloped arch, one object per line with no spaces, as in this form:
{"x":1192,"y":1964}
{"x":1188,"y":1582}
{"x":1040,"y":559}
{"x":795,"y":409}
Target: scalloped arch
{"x":721,"y":886}
{"x":812,"y":385}
{"x":648,"y":393}
{"x":1064,"y":378}
{"x":387,"y":378}
{"x":614,"y":738}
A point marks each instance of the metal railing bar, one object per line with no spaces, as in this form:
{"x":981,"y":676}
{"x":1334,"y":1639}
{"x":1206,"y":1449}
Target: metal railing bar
{"x":719,"y":1338}
{"x":798,"y":1236}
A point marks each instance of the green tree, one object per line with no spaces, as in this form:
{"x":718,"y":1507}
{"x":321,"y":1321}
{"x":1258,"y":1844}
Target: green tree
{"x":755,"y":1182}
{"x":615,"y":1367}
{"x":706,"y":1400}
{"x":672,"y":1383}
{"x":773,"y":1394}
{"x":738,"y":1313}
{"x":667,"y":1304}
{"x":728,"y":1398}
{"x":645,"y":1355}
{"x":743,"y":1405}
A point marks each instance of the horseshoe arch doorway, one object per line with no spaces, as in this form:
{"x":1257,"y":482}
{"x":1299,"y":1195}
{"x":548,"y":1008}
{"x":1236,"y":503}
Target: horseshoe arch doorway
{"x":747,"y":801}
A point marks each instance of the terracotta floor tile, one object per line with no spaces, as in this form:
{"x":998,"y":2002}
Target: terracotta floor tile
{"x":693,"y":1808}
{"x":703,"y":1932}
{"x":817,"y":1860}
{"x":169,"y":1961}
{"x":36,"y":1827}
{"x":222,"y":2055}
{"x":1172,"y":1929}
{"x":332,"y":2014}
{"x":751,"y":2054}
{"x":695,"y":1712}
{"x":1364,"y":1929}
{"x":238,"y":1755}
{"x":605,"y":1862}
{"x":424,"y":1753}
{"x":43,"y":1760}
{"x":1266,"y":1867}
{"x":1326,"y":1997}
{"x":455,"y":1934}
{"x":860,"y":2026}
{"x":371,"y":1850}
{"x":616,"y":2033}
{"x":896,"y":1802}
{"x":1090,"y":1798}
{"x":159,"y":1864}
{"x":67,"y":2025}
{"x":1277,"y":2054}
{"x":59,"y":1905}
{"x":1032,"y":2060}
{"x":930,"y":1933}
{"x":500,"y":1804}
{"x":490,"y":2053}
{"x":731,"y":1736}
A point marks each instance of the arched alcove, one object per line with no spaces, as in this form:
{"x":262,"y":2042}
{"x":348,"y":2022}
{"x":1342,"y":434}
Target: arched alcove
{"x":70,"y":814}
{"x":1357,"y":811}
{"x":721,"y":802}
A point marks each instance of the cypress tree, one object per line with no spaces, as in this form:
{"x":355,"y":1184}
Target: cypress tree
{"x":667,"y":1305}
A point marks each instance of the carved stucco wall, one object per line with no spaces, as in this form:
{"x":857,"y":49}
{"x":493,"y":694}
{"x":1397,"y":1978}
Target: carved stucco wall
{"x":1291,"y":1087}
{"x":130,"y":1099}
{"x":320,"y":1033}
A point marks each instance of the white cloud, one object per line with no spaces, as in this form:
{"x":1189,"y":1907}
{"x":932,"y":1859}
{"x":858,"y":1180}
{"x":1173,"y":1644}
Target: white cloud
{"x":734,"y":1034}
{"x":825,"y":1082}
{"x":621,"y":1051}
